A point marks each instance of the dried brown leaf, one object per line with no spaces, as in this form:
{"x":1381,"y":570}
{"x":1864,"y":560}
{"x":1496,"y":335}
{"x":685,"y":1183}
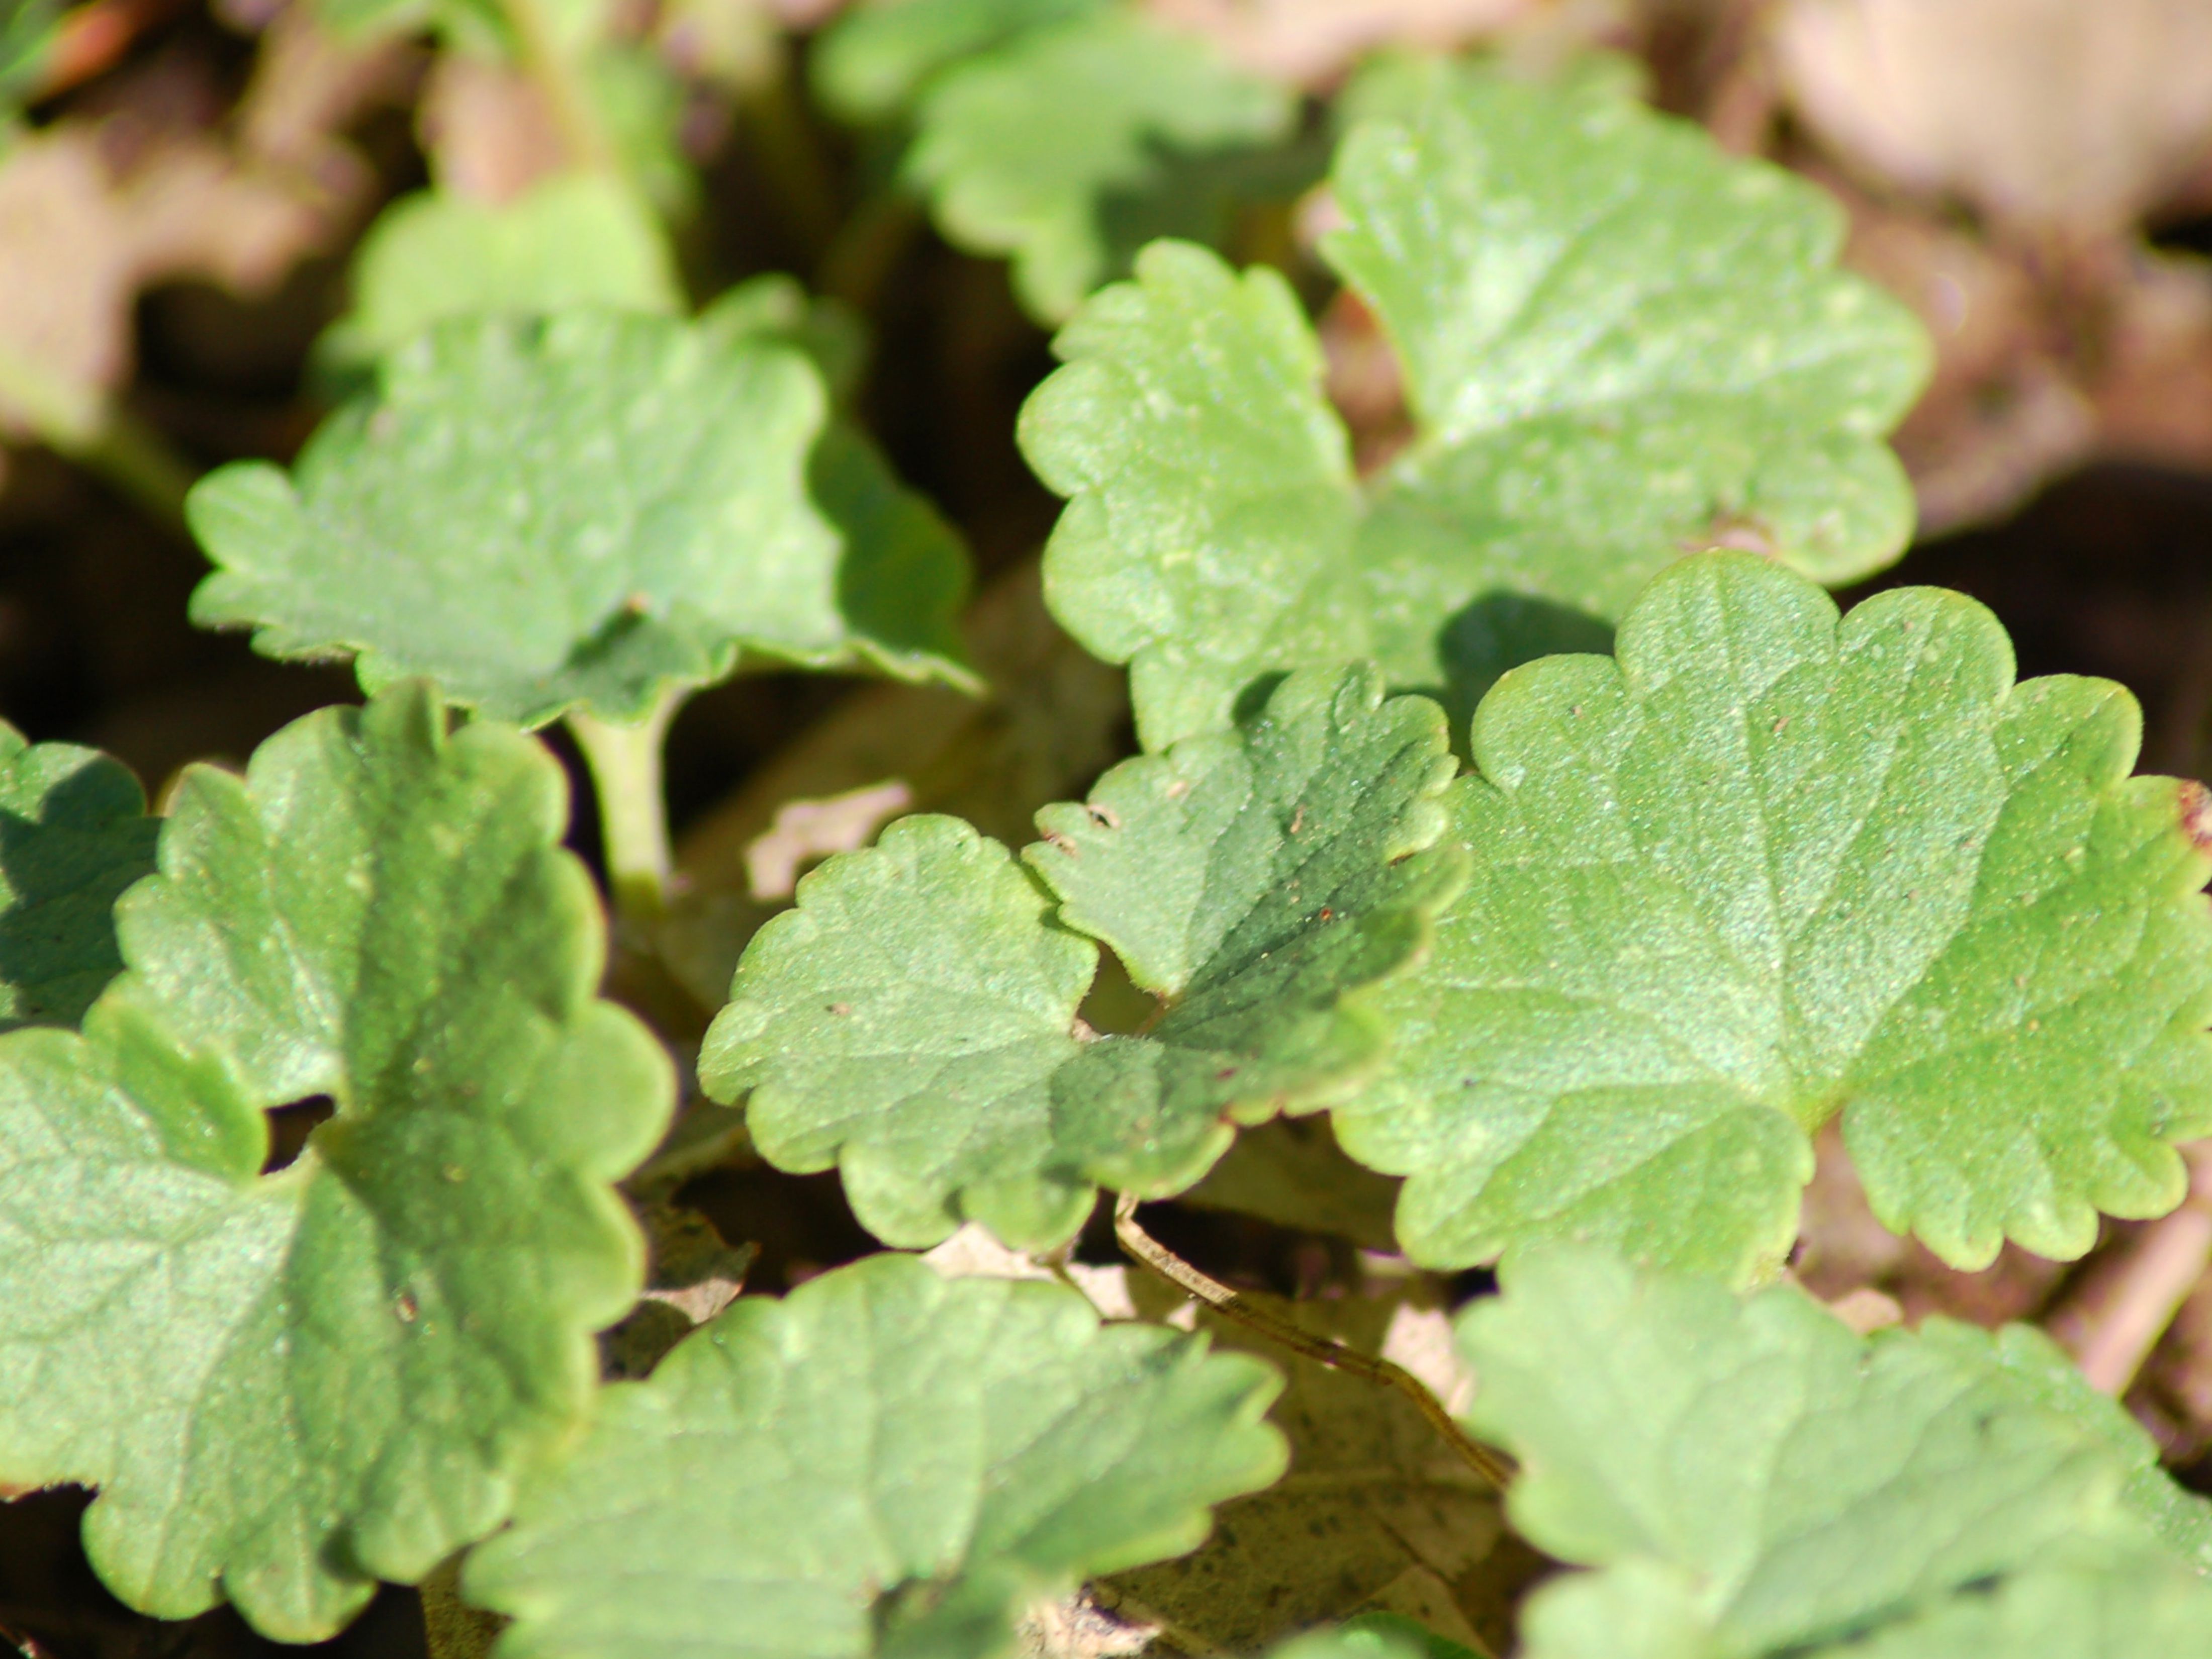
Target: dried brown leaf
{"x":2039,"y":112}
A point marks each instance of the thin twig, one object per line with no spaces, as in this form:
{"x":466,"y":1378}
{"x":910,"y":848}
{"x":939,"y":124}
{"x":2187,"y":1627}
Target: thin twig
{"x":2113,"y":1322}
{"x":1148,"y":1252}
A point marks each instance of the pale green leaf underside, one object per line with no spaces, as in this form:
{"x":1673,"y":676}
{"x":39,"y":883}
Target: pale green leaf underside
{"x":289,"y":1386}
{"x":912,"y":1021}
{"x":1766,"y":868}
{"x":879,"y":1432}
{"x":1619,"y":343}
{"x":583,"y":510}
{"x":574,"y":240}
{"x":74,"y":833}
{"x":1023,"y":150}
{"x":1751,"y":1478}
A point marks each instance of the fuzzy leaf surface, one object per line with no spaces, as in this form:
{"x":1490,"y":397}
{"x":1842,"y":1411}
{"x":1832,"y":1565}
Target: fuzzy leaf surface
{"x":1752,"y":1479}
{"x":289,"y":1385}
{"x":1767,"y":867}
{"x":912,"y":1021}
{"x":1618,"y":343}
{"x":575,"y":239}
{"x":880,"y":1456}
{"x":74,"y":833}
{"x":1023,"y":151}
{"x":582,"y":511}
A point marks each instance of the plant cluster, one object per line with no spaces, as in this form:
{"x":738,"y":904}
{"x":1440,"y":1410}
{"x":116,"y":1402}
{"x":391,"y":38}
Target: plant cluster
{"x":1517,"y":802}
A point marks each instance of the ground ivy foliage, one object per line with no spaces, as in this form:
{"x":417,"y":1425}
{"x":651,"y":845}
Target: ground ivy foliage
{"x":1045,"y":130}
{"x":1750,"y":1478}
{"x":1618,"y":343}
{"x":574,"y":240}
{"x":289,"y":1385}
{"x":74,"y":833}
{"x":1767,"y":867}
{"x":914,"y":1020}
{"x":882,"y":1462}
{"x":586,"y":510}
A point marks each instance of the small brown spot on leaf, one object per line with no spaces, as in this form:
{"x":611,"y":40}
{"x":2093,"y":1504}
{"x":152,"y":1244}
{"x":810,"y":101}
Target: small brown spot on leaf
{"x":841,"y":1008}
{"x":1178,"y":788}
{"x":1327,"y":915}
{"x":1063,"y":843}
{"x":407,"y":1307}
{"x":1104,"y":816}
{"x":1298,"y":818}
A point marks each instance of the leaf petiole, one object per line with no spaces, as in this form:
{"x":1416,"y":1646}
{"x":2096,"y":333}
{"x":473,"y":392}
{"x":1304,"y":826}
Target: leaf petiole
{"x":625,"y":762}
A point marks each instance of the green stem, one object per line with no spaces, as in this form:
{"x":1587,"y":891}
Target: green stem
{"x":576,"y":112}
{"x":78,"y":423}
{"x":788,"y":153}
{"x":625,"y":762}
{"x":859,"y":261}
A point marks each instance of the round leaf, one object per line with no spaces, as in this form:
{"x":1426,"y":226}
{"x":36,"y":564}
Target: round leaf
{"x":289,"y":1384}
{"x":881,"y":1454}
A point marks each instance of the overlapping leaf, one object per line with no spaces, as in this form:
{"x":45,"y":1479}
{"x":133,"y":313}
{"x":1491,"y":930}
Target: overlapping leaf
{"x":882,"y":1462}
{"x":1617,"y":344}
{"x":583,"y":510}
{"x":1751,"y":1478}
{"x":913,"y":1022}
{"x":288,"y":1385}
{"x":1025,"y":151}
{"x":74,"y":833}
{"x":1769,"y":867}
{"x":572,"y":240}
{"x":1377,"y":1508}
{"x":1062,"y":132}
{"x":873,"y":63}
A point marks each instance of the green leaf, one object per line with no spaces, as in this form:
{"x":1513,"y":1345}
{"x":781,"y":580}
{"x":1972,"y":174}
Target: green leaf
{"x":574,"y":240}
{"x":74,"y":833}
{"x":1619,"y":343}
{"x":289,"y":1385}
{"x":584,"y":511}
{"x":1766,"y":868}
{"x":913,"y":1022}
{"x":1024,"y":151}
{"x":28,"y":35}
{"x":1372,"y":1635}
{"x":776,"y":306}
{"x":872,"y":63}
{"x":1752,"y":1479}
{"x":877,"y":1455}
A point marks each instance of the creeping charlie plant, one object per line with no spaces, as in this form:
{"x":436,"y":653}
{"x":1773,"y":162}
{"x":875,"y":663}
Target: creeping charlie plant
{"x":1517,"y":860}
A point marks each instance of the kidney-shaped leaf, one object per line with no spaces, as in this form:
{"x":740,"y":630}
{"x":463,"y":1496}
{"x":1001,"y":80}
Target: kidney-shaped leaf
{"x":74,"y":833}
{"x":1618,"y":343}
{"x":584,"y":510}
{"x":1768,"y":867}
{"x":1024,"y":151}
{"x":1751,"y":1478}
{"x":574,"y":239}
{"x":875,"y":59}
{"x":289,"y":1384}
{"x":881,"y":1456}
{"x":913,"y":1022}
